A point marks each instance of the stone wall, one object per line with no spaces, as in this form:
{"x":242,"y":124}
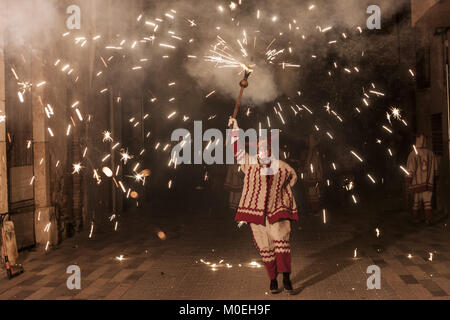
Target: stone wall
{"x":432,"y":99}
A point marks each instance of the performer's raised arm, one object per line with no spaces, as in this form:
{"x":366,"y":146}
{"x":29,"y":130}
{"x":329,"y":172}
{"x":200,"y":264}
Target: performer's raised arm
{"x":241,"y":156}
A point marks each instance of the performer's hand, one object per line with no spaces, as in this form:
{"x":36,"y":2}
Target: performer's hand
{"x":293,"y":182}
{"x":289,"y":183}
{"x":233,"y":123}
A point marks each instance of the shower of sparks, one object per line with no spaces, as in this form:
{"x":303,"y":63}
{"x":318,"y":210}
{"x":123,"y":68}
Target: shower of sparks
{"x":91,"y":232}
{"x":210,"y":94}
{"x":349,"y":185}
{"x":107,"y":136}
{"x":405,"y":171}
{"x":236,"y":52}
{"x":378,"y":232}
{"x":139,"y":177}
{"x":77,"y":168}
{"x":96,"y":176}
{"x":125,"y":157}
{"x":396,"y":113}
{"x":357,"y":156}
{"x":255,"y":264}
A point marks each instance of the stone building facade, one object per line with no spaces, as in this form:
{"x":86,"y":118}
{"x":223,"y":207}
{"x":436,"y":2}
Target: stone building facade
{"x":42,"y":196}
{"x":431,"y":23}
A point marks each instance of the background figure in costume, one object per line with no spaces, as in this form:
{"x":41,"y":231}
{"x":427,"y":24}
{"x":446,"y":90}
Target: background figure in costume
{"x":422,"y":168}
{"x":234,"y":182}
{"x":313,"y":175}
{"x":268,"y":205}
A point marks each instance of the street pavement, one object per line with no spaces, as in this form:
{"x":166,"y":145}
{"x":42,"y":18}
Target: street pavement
{"x":204,"y":255}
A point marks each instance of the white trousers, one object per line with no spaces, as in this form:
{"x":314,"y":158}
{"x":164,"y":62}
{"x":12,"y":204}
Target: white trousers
{"x":272,"y":242}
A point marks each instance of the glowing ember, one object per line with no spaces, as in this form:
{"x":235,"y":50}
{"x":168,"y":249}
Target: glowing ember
{"x":161,"y":235}
{"x":108,"y":172}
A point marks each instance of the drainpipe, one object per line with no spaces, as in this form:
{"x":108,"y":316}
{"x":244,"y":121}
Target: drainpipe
{"x":447,"y":80}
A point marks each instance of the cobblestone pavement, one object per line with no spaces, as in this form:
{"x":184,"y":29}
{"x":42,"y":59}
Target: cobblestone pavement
{"x":323,"y":260}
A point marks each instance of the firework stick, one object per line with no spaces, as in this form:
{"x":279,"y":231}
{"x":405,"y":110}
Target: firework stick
{"x":243,"y":84}
{"x":238,"y":103}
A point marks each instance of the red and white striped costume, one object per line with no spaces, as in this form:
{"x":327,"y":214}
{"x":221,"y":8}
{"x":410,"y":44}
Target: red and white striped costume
{"x":267,"y":196}
{"x":268,"y":205}
{"x":422,"y":168}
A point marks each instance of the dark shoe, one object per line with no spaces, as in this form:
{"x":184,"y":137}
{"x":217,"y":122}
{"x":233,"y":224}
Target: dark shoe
{"x":287,"y":283}
{"x":274,"y":287}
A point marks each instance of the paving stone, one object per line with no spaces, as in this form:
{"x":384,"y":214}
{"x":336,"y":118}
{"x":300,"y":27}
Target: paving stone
{"x":322,"y":261}
{"x":409,"y":279}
